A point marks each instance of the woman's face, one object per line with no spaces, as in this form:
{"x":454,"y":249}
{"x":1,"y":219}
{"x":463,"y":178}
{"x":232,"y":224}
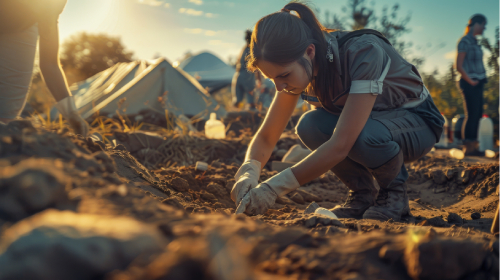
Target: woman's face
{"x":479,"y":28}
{"x":292,"y":78}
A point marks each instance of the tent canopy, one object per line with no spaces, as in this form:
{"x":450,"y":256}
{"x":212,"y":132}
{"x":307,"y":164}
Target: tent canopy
{"x":209,"y":70}
{"x":131,"y":87}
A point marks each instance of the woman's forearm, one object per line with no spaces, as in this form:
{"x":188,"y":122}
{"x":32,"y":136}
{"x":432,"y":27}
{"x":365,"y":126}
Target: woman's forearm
{"x":318,"y":162}
{"x":259,"y":149}
{"x":55,"y":80}
{"x":464,"y":75}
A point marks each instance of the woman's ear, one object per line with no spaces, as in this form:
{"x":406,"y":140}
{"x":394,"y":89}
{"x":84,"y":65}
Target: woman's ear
{"x":311,"y":51}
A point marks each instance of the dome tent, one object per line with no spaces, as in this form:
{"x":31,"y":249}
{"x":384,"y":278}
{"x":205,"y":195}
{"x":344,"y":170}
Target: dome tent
{"x":209,"y":70}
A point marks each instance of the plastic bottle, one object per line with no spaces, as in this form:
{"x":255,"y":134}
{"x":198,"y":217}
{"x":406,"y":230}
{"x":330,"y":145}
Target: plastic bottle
{"x":214,"y":128}
{"x":485,"y":134}
{"x":443,"y":141}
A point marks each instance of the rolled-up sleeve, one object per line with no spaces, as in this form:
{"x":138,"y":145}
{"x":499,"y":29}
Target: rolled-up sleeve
{"x":367,"y":64}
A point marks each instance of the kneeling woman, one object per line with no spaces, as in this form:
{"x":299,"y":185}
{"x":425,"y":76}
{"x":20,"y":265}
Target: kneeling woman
{"x":373,"y":114}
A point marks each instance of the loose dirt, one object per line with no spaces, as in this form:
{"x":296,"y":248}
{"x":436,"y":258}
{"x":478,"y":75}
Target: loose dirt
{"x":75,"y":208}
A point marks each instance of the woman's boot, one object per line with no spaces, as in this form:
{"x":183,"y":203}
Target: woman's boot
{"x":392,"y":200}
{"x":362,"y":189}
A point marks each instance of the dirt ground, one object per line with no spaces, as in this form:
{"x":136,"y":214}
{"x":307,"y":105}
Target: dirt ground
{"x":135,"y":207}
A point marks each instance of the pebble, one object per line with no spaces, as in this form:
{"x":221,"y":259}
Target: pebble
{"x":475,"y":215}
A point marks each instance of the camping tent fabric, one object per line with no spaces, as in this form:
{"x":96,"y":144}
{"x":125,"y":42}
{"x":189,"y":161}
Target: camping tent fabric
{"x":209,"y":70}
{"x":131,"y":87}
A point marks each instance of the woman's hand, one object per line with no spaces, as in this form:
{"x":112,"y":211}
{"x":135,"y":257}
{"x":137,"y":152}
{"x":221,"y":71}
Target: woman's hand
{"x":247,"y":178}
{"x":474,"y":83}
{"x":261,"y":198}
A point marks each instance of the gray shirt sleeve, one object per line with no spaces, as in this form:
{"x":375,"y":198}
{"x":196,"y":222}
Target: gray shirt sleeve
{"x":462,"y":45}
{"x":369,"y":64}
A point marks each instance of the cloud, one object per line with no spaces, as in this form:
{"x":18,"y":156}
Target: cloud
{"x":196,"y":2}
{"x":210,"y":15}
{"x":190,"y":12}
{"x":221,"y":43}
{"x":193,"y":30}
{"x":155,"y":3}
{"x":450,"y":55}
{"x":204,"y":31}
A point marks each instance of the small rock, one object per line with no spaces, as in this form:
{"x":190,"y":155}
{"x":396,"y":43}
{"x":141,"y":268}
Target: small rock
{"x":311,"y":221}
{"x":173,"y":202}
{"x":439,"y":177}
{"x":437,"y":222}
{"x":229,"y":184}
{"x":311,"y":208}
{"x":216,"y":164}
{"x":475,"y":215}
{"x":455,"y":219}
{"x":208,"y":196}
{"x":309,"y":197}
{"x":297,"y":198}
{"x":179,"y":184}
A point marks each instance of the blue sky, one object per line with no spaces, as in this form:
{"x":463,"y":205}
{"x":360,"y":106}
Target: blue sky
{"x":172,"y":27}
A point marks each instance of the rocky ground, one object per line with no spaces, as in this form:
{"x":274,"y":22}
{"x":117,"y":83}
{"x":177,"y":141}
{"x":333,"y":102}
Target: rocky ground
{"x":133,"y":206}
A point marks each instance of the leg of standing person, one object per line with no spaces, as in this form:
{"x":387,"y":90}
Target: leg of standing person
{"x":17,"y":56}
{"x":473,"y":109}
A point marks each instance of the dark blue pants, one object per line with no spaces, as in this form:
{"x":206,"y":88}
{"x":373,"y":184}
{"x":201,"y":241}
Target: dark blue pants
{"x":473,"y":108}
{"x":380,"y":140}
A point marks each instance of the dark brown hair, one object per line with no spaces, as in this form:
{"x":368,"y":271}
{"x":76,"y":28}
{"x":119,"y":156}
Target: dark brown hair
{"x":283,"y":38}
{"x":477,"y":18}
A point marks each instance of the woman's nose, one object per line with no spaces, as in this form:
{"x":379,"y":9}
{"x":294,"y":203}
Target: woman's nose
{"x":281,"y":86}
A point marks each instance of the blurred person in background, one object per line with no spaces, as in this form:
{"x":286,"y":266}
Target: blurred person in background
{"x":22,"y":24}
{"x":470,"y":65}
{"x":243,"y":83}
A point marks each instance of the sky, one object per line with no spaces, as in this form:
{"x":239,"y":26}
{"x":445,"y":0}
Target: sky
{"x":170,"y":28}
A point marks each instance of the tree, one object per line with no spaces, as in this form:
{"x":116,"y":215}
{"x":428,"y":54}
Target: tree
{"x":359,"y":16}
{"x":90,"y":54}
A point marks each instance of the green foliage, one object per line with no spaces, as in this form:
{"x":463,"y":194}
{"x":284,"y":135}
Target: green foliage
{"x":358,"y":16}
{"x":90,"y":54}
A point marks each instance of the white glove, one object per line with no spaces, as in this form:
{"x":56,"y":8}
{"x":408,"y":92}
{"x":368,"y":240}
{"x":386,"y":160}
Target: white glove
{"x":247,"y":178}
{"x":68,"y":110}
{"x":261,"y":198}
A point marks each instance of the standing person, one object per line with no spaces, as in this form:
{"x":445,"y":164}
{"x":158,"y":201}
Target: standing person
{"x":373,"y":114}
{"x":473,"y":77}
{"x":22,"y":24}
{"x":243,"y":81}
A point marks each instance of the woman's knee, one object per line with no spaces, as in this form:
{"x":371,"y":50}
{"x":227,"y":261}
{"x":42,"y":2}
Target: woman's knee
{"x":308,"y":130}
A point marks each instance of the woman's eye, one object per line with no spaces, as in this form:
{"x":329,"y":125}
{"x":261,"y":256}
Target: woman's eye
{"x":286,"y":75}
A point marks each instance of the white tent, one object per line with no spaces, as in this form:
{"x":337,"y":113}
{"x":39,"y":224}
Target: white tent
{"x":209,"y":70}
{"x":132,"y":87}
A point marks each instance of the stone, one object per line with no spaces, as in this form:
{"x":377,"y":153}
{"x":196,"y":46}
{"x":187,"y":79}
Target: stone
{"x":455,"y":219}
{"x":62,"y":244}
{"x":309,"y":197}
{"x":179,"y":184}
{"x":311,"y":208}
{"x":437,"y":222}
{"x":475,"y":216}
{"x":297,"y":198}
{"x":439,"y":177}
